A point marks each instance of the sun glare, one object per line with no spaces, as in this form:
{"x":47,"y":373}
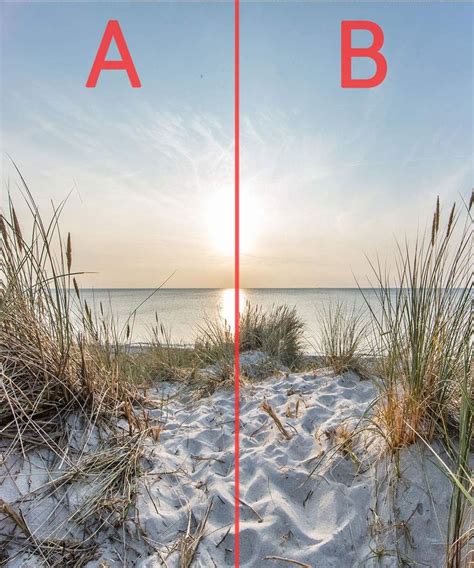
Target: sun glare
{"x":227,"y":305}
{"x":219,"y":219}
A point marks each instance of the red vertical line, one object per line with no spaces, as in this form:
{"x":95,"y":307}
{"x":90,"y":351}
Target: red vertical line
{"x":237,"y":278}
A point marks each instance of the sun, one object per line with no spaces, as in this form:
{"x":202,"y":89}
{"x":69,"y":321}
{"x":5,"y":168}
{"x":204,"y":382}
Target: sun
{"x":219,"y":220}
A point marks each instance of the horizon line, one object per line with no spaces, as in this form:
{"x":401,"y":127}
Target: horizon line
{"x":226,"y":288}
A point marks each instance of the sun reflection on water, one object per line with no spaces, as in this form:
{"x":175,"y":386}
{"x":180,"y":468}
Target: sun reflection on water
{"x":227,"y":305}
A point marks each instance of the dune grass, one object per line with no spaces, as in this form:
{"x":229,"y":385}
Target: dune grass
{"x":61,"y":381}
{"x":66,"y":368}
{"x":48,"y":368}
{"x":277,"y":332}
{"x":460,"y":513}
{"x":214,"y":346}
{"x":423,"y":346}
{"x":343,"y":331}
{"x":159,"y":359}
{"x":422,"y":326}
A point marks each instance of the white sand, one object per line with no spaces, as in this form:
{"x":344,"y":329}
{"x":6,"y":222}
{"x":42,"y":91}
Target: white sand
{"x":352,"y":511}
{"x":350,"y":505}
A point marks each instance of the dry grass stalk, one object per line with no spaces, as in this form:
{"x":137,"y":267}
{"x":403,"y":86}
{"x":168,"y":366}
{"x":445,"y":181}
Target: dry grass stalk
{"x":55,"y":553}
{"x":269,"y":410}
{"x":17,"y":518}
{"x":256,"y":513}
{"x":293,"y":413}
{"x":289,"y":561}
{"x":190,"y":542}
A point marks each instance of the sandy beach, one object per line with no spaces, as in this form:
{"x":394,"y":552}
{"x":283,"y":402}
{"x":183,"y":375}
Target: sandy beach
{"x":322,"y":492}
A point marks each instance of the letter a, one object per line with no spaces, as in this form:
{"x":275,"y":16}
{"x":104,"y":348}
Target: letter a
{"x":113,"y":31}
{"x":372,"y":52}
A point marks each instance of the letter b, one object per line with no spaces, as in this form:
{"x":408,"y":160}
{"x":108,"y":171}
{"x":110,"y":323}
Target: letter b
{"x":372,"y":52}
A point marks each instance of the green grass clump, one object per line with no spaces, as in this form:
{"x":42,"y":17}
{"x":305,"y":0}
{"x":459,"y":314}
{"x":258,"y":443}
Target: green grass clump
{"x":214,"y":346}
{"x":161,"y":359}
{"x":342,"y":334}
{"x":278,"y":332}
{"x":422,"y":324}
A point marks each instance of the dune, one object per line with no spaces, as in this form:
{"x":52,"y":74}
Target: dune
{"x":318,"y":488}
{"x":330,"y":496}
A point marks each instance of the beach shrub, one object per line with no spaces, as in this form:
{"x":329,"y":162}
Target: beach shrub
{"x":342,"y":334}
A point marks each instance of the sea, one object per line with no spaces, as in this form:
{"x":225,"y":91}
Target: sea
{"x":183,"y":311}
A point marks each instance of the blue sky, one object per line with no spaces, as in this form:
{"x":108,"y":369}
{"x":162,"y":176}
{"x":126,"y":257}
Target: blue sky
{"x":328,"y":174}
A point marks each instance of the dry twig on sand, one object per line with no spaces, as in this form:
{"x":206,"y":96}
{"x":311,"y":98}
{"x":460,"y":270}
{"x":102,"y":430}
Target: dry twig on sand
{"x":259,"y":517}
{"x":269,"y":410}
{"x":289,"y":561}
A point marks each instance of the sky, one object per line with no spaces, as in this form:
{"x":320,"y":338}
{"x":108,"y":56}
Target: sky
{"x":328,"y":175}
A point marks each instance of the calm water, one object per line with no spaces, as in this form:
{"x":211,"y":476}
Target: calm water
{"x":183,"y":310}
